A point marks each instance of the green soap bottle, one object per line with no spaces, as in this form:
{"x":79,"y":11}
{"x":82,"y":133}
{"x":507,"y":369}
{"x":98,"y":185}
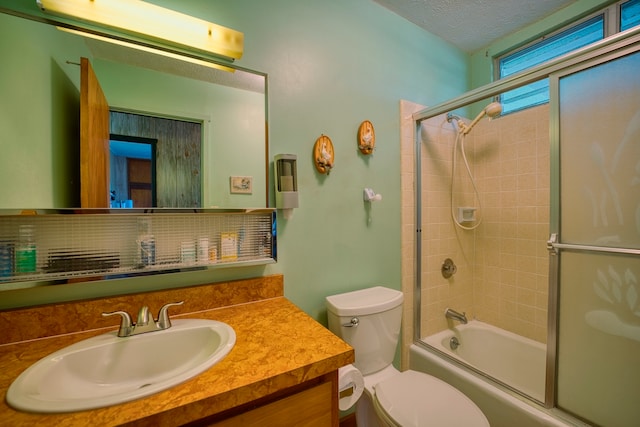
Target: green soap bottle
{"x":25,"y":251}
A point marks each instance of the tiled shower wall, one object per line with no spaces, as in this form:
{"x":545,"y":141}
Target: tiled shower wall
{"x":503,"y":264}
{"x":511,"y":260}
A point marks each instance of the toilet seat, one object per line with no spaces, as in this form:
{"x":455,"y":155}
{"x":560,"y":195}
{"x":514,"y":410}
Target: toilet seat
{"x":416,"y":399}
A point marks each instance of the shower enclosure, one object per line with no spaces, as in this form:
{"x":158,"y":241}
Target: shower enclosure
{"x":549,"y":242}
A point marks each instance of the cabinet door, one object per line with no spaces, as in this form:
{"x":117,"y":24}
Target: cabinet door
{"x":311,"y":407}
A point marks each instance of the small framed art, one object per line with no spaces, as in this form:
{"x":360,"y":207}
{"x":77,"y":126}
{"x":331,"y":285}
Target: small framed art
{"x":241,"y":184}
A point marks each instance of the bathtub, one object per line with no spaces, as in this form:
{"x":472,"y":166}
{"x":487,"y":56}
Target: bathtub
{"x":507,"y":357}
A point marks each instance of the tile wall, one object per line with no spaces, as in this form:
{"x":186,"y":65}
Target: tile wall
{"x":511,"y":260}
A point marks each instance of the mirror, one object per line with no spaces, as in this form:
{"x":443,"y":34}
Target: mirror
{"x":39,"y":118}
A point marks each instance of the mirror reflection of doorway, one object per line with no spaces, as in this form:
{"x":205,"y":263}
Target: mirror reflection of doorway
{"x":178,"y":178}
{"x":133,"y":175}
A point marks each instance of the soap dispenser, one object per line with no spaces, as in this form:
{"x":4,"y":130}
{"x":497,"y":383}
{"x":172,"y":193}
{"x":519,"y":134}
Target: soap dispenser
{"x":286,"y":183}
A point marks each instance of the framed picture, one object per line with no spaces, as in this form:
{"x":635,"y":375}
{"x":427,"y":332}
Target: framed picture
{"x":241,"y":184}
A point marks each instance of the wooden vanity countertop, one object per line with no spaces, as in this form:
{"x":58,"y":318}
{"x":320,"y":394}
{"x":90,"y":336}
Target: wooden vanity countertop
{"x":278,"y":346}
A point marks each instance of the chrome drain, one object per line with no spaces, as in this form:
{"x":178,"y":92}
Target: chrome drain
{"x":454,"y":343}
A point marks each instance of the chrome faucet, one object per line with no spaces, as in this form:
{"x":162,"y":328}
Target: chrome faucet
{"x":145,"y":322}
{"x":455,"y":315}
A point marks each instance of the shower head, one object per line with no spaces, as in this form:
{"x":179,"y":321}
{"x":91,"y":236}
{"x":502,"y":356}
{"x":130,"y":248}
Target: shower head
{"x":492,"y":110}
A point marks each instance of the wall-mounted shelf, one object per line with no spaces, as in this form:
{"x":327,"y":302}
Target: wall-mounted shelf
{"x":75,"y":244}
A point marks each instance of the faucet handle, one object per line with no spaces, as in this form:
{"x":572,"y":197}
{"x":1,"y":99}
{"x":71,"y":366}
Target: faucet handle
{"x":163,"y":316}
{"x":125,"y":324}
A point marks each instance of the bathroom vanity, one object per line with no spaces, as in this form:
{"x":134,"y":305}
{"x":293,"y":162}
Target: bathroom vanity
{"x":282,"y":370}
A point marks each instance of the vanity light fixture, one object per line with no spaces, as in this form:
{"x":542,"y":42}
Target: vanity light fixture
{"x":148,"y":20}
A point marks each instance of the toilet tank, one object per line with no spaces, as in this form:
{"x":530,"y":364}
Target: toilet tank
{"x":378,"y":311}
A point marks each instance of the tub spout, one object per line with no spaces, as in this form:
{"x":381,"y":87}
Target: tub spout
{"x":454,"y":315}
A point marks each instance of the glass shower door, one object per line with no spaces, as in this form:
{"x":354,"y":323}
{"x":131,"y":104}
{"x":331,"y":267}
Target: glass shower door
{"x":596,"y":239}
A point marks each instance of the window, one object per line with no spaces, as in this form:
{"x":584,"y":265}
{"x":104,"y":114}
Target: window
{"x":566,"y":41}
{"x":629,"y":14}
{"x":553,"y":45}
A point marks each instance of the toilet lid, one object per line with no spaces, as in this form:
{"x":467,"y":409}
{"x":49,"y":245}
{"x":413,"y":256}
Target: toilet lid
{"x":413,"y":399}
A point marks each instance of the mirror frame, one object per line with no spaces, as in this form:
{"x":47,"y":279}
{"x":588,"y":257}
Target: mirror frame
{"x":34,"y":14}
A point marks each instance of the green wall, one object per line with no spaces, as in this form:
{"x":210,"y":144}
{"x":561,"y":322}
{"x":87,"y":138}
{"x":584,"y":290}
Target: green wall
{"x":331,"y":65}
{"x":39,"y":119}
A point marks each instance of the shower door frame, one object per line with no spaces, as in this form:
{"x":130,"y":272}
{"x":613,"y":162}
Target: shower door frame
{"x":601,"y":51}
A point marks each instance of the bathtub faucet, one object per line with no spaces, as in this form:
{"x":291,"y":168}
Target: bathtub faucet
{"x":454,"y":315}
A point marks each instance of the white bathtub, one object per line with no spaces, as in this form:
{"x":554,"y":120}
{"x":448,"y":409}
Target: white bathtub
{"x":510,"y":358}
{"x":507,"y":357}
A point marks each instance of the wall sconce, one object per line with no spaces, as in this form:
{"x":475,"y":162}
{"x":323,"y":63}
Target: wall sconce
{"x":286,"y":180}
{"x":145,"y":19}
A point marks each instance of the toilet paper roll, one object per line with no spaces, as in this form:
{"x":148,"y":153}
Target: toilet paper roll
{"x":350,"y":386}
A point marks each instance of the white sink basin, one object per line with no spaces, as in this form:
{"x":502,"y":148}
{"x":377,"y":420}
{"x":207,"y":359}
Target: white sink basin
{"x":106,"y":370}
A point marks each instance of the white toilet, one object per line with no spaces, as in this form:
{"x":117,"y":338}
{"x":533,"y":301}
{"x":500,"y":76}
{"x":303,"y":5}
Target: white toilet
{"x":369,"y":320}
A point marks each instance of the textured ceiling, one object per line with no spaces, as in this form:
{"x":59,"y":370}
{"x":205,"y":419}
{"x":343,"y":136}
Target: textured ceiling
{"x":473,"y":24}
